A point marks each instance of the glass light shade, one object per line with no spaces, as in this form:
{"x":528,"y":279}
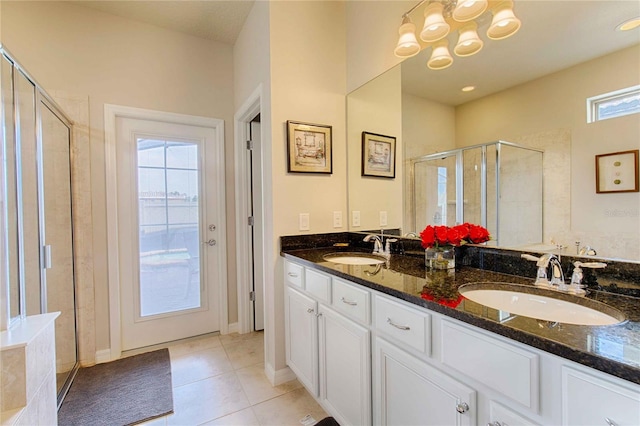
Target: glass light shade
{"x":504,"y":23}
{"x":435,"y":27}
{"x":468,"y":43}
{"x":407,"y":43}
{"x":440,"y":57}
{"x":466,"y":10}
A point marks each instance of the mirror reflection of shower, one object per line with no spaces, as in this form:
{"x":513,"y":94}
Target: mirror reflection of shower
{"x":497,"y":185}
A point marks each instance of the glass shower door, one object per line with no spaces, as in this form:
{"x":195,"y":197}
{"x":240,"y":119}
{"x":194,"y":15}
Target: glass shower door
{"x":435,"y":192}
{"x":57,"y":239}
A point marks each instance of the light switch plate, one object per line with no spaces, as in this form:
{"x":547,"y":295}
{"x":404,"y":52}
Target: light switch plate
{"x":383,"y":218}
{"x":355,"y":218}
{"x":337,"y":219}
{"x":304,"y":221}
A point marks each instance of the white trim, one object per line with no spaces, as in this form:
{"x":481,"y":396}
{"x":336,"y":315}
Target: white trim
{"x":278,"y":377}
{"x":103,"y":355}
{"x":249,"y":109}
{"x":111,"y":112}
{"x":231,"y":328}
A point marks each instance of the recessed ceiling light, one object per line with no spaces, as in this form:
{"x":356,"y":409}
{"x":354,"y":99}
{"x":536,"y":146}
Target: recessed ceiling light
{"x":468,"y":88}
{"x":629,"y":25}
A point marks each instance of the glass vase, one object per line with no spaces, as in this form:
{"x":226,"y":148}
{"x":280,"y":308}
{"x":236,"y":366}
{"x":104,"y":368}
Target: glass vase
{"x":440,"y":257}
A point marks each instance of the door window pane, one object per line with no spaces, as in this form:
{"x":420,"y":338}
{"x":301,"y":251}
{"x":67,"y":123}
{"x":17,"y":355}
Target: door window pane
{"x":169,"y":228}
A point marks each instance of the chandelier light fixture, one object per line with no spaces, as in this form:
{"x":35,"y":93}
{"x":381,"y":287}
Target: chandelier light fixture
{"x":443,"y":17}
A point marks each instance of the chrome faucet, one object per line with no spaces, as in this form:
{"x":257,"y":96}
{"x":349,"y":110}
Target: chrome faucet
{"x":377,"y":243}
{"x":387,"y":247}
{"x":542,"y":278}
{"x":576,"y":286}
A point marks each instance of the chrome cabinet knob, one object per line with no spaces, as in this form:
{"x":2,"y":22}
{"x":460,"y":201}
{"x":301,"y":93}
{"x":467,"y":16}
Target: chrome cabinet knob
{"x":462,"y":407}
{"x":311,"y":310}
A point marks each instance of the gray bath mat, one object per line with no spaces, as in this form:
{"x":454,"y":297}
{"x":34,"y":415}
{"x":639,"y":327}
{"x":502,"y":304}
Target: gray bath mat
{"x":123,"y":392}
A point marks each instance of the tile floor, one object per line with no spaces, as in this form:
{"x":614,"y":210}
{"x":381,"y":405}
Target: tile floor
{"x":220,"y":380}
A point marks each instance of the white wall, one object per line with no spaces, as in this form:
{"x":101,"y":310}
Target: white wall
{"x":308,"y":84}
{"x":366,"y":113}
{"x":114,"y":60}
{"x":372,"y":34}
{"x":608,"y":222}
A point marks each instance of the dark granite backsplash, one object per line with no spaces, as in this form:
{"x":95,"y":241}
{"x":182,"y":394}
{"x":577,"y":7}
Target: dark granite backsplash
{"x":618,"y":277}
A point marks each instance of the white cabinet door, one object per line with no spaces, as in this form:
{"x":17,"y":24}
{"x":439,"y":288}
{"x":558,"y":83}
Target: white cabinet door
{"x":598,"y":400}
{"x":301,"y":328}
{"x":408,"y":391}
{"x":345,"y":368}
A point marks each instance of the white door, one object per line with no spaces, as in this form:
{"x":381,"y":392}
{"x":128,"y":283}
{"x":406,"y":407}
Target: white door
{"x":410,"y":392}
{"x":344,"y":368}
{"x":170,"y":193}
{"x":255,"y":160}
{"x":301,"y":338}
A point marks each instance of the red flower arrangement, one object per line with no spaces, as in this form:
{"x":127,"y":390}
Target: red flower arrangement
{"x":435,"y":236}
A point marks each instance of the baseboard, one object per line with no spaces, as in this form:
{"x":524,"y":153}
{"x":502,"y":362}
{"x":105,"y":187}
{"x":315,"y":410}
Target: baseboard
{"x":233,"y":328}
{"x":279,"y":377}
{"x":103,"y":356}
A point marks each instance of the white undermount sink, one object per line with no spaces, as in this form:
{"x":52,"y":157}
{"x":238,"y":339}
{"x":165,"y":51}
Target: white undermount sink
{"x":354,"y":258}
{"x":548,"y":305}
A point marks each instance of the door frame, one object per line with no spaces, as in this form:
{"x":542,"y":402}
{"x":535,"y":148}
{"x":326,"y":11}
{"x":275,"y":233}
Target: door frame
{"x":111,"y":113}
{"x":242,"y":118}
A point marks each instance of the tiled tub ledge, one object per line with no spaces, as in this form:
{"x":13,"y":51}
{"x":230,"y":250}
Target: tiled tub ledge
{"x":612,"y":349}
{"x":27,"y":383}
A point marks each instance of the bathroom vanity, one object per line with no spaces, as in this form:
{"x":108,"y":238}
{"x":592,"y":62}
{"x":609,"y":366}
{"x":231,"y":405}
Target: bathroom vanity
{"x":395,"y":344}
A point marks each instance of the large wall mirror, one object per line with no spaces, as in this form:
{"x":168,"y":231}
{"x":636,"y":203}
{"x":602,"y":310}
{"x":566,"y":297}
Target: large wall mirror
{"x":530,"y":89}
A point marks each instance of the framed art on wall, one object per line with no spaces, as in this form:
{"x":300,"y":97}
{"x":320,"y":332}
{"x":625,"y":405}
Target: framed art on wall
{"x":309,"y":148}
{"x":617,"y":172}
{"x":378,"y":155}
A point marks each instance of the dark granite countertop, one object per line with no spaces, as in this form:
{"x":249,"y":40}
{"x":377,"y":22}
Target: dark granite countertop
{"x":614,"y":349}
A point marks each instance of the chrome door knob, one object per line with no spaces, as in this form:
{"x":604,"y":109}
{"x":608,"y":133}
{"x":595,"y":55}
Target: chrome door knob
{"x":463,"y":407}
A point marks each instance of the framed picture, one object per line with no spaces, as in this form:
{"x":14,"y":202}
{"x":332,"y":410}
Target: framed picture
{"x":617,"y":172}
{"x":378,"y":155}
{"x":309,"y":148}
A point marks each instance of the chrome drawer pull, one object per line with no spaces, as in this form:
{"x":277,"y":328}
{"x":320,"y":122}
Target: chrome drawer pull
{"x":400,"y":327}
{"x":291,"y":274}
{"x":311,"y":310}
{"x":348,"y":302}
{"x":609,"y":421}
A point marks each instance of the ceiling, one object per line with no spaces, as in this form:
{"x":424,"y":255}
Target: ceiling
{"x":219,"y":20}
{"x":554,"y":35}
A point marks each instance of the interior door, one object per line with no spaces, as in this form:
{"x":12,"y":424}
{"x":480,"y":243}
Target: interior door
{"x":171,"y":248}
{"x":257,"y":242}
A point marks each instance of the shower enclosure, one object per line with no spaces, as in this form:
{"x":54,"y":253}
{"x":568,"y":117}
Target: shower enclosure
{"x":37,"y":154}
{"x":497,"y":185}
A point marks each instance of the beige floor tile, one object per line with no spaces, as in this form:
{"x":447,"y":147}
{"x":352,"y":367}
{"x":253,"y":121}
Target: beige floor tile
{"x":245,"y":353}
{"x":195,"y":366}
{"x":244,"y":417}
{"x":258,"y":388}
{"x":288,"y":409}
{"x":194,"y":345}
{"x":160,"y":421}
{"x":206,"y":400}
{"x":229,"y":339}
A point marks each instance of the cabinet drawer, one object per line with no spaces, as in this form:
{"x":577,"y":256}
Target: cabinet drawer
{"x":504,"y":367}
{"x":319,"y":285}
{"x":598,"y":399}
{"x":409,"y":326}
{"x":352,"y":301}
{"x":293,"y":274}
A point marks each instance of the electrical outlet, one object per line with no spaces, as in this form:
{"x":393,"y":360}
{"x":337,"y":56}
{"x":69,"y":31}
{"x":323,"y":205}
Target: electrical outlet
{"x":304,"y":221}
{"x":355,"y":218}
{"x":383,"y":218}
{"x":337,"y":219}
